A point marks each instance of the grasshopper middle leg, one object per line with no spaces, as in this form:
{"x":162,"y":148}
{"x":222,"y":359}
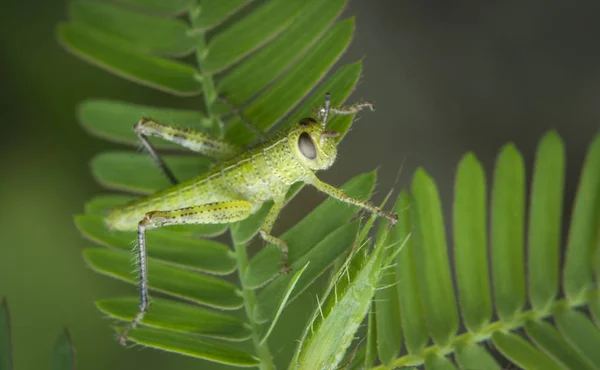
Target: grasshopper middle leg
{"x":212,"y":213}
{"x":265,"y":233}
{"x":336,"y":193}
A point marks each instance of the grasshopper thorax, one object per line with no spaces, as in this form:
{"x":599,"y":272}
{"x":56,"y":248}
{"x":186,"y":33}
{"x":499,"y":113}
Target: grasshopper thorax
{"x":312,"y":145}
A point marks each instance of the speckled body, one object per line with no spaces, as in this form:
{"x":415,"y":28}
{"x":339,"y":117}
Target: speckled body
{"x":262,"y":173}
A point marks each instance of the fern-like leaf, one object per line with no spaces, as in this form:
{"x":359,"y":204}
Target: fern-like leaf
{"x":255,"y":61}
{"x":523,"y":308}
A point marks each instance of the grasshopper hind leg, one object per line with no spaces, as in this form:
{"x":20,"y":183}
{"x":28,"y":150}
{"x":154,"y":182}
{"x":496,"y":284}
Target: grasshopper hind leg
{"x":195,"y":141}
{"x":211,"y":213}
{"x":155,"y":157}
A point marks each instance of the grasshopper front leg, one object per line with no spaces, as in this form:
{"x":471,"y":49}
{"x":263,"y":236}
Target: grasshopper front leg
{"x":212,"y":213}
{"x":340,"y":195}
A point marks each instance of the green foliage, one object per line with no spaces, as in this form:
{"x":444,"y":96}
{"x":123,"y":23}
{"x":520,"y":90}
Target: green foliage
{"x":63,"y":355}
{"x":557,"y":334}
{"x":6,"y":361}
{"x":261,"y":57}
{"x":264,"y":58}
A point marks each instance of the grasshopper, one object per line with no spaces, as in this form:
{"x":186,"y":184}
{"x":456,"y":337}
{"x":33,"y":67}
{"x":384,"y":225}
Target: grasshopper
{"x":237,"y":187}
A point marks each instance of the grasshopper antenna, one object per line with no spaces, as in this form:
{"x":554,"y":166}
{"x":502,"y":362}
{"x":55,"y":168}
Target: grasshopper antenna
{"x":325,"y":110}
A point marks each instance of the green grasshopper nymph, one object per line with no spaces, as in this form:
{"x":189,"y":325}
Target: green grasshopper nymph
{"x":234,"y":189}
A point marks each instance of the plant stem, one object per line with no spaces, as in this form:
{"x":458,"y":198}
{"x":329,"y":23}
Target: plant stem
{"x":209,"y":91}
{"x":262,"y":350}
{"x":210,"y":95}
{"x":484,"y":334}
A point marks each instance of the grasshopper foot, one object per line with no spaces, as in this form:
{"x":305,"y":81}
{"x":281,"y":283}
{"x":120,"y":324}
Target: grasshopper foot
{"x":123,"y":338}
{"x":393,"y":218}
{"x":285,"y":269}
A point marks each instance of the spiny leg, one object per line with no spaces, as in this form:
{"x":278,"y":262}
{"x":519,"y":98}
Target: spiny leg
{"x":194,"y":140}
{"x":153,"y":154}
{"x":340,"y":195}
{"x":211,"y":213}
{"x":265,"y":233}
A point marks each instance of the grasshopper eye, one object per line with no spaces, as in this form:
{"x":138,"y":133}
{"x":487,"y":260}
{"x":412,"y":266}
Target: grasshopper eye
{"x":306,"y":146}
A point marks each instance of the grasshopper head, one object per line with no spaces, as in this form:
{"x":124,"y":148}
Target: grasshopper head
{"x":312,"y":144}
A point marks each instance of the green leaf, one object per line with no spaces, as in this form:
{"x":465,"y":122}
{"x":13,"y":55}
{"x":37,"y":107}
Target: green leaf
{"x":340,"y":84}
{"x":545,"y":222}
{"x":135,"y":172}
{"x":437,"y":362}
{"x":321,"y":257}
{"x":387,"y":310}
{"x":213,"y":12}
{"x":114,"y":120}
{"x":470,"y":244}
{"x":163,"y":74}
{"x":63,"y":357}
{"x":431,"y":255}
{"x":248,"y":34}
{"x":192,"y":346}
{"x":163,"y":278}
{"x":595,"y":309}
{"x":555,"y":346}
{"x":472,"y":356}
{"x":141,"y":32}
{"x":412,"y":312}
{"x":287,"y":55}
{"x":322,"y":221}
{"x":371,"y":346}
{"x":521,"y":352}
{"x":101,"y":204}
{"x":578,"y":271}
{"x":507,"y":233}
{"x":287,"y":293}
{"x":283,"y":95}
{"x":334,"y":323}
{"x":581,"y":333}
{"x":575,"y":344}
{"x":164,"y":245}
{"x":6,"y":357}
{"x":272,"y":60}
{"x":178,"y":316}
{"x":171,"y":7}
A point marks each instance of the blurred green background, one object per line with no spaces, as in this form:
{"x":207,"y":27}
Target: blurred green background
{"x":447,"y":77}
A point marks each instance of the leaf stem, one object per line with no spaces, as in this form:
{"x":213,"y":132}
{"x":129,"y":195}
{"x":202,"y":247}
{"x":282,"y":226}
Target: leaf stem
{"x":485,"y":333}
{"x":209,"y":90}
{"x":262,"y":350}
{"x":210,"y":95}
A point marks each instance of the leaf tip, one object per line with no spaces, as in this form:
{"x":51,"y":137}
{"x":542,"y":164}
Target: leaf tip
{"x":420,"y":177}
{"x":552,"y":139}
{"x":469,"y":160}
{"x":403,"y":196}
{"x":509,"y":151}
